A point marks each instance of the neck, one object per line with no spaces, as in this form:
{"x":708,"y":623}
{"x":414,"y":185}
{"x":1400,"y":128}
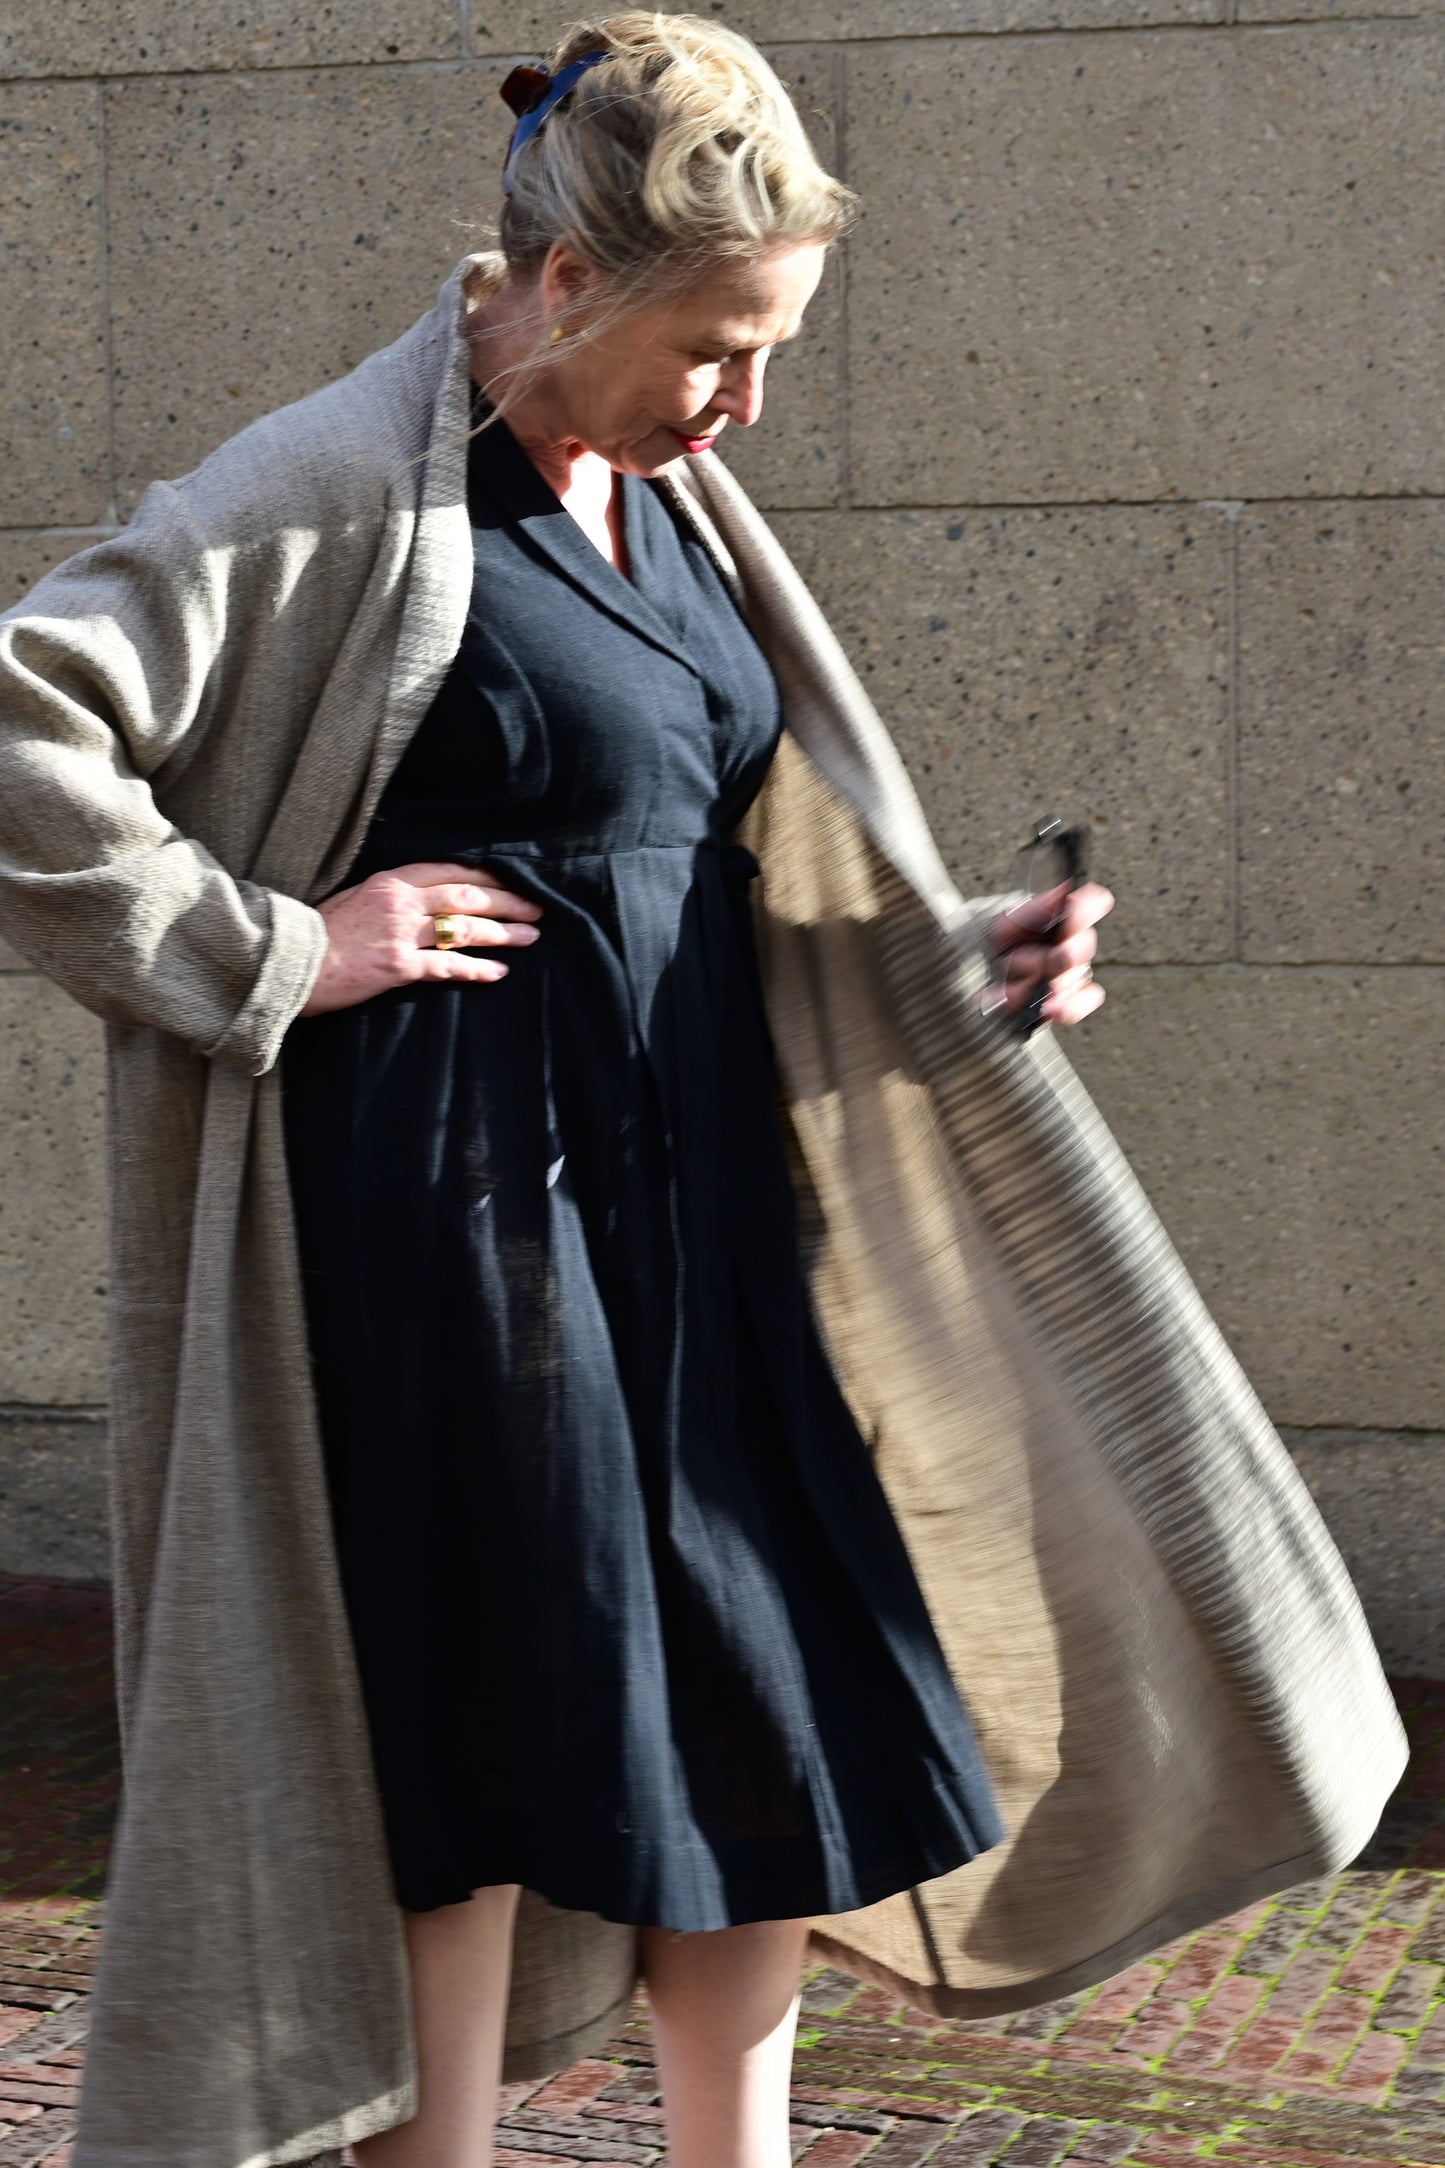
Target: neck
{"x":502,"y":334}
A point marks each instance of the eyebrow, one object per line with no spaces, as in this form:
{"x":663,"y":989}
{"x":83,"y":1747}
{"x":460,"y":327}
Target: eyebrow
{"x":718,"y":346}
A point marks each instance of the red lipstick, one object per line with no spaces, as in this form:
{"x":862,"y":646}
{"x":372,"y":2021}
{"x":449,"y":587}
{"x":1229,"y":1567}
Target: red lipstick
{"x":695,"y":444}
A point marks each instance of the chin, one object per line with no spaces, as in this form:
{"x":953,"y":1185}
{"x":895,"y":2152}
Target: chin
{"x":646,"y":462}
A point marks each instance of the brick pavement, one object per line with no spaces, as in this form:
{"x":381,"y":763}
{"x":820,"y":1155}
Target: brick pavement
{"x":1307,"y":2032}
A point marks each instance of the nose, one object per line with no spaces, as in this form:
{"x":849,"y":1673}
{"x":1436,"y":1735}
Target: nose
{"x":740,"y":388}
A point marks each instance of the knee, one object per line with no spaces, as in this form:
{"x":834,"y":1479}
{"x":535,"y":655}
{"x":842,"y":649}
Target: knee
{"x":729,"y":1991}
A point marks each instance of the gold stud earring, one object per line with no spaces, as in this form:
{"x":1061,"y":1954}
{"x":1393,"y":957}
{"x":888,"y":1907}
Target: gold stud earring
{"x":556,"y":334}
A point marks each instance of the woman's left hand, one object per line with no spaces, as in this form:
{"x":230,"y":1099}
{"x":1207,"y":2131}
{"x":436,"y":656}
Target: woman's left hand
{"x":1063,"y":959}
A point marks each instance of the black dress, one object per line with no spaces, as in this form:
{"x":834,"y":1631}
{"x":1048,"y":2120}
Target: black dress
{"x":634,"y":1623}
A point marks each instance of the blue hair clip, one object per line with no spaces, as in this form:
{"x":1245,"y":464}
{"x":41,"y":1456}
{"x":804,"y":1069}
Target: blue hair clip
{"x":527,"y":126}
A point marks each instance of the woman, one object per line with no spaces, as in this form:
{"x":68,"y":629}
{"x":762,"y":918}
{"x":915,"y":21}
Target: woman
{"x":548,"y":1232}
{"x":491,"y":1510}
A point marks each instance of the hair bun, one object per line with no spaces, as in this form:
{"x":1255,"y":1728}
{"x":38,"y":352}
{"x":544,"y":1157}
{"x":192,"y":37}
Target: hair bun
{"x":684,"y":154}
{"x":523,"y":87}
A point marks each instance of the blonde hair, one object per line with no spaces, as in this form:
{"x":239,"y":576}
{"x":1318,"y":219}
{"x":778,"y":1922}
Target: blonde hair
{"x":680,"y":150}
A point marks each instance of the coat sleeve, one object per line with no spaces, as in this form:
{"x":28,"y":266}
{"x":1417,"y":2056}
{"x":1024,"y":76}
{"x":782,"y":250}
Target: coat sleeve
{"x":105,"y":672}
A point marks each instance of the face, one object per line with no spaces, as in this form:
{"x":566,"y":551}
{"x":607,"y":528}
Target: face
{"x":669,"y":378}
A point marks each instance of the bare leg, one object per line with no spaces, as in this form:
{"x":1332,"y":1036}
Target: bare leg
{"x":724,"y":2012}
{"x":461,"y":1963}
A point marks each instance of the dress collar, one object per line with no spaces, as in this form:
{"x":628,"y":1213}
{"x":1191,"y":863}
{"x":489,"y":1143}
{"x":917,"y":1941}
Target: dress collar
{"x":501,"y":478}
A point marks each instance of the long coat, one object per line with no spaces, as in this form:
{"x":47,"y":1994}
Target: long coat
{"x":1170,"y":1674}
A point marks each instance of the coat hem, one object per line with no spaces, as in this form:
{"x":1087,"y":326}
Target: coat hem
{"x":323,"y":2139}
{"x":522,"y":2060}
{"x":938,"y":1999}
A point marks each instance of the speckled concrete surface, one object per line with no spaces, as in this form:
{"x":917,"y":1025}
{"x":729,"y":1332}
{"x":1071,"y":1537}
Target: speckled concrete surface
{"x":1383,"y":1495}
{"x":135,"y":37}
{"x":293,"y":222}
{"x":54,"y":435}
{"x":1341,"y":754}
{"x":52,"y":1215}
{"x":1022,"y":656}
{"x":1148,"y":266}
{"x":1286,"y":1125}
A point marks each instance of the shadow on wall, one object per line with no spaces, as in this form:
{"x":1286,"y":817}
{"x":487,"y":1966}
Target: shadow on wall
{"x":54,"y":1513}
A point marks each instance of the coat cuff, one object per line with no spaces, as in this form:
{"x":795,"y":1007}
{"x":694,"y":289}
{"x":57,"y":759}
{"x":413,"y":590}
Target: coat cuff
{"x":294,"y":955}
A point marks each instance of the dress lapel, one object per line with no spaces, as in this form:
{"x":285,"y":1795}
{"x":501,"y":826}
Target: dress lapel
{"x":504,"y":488}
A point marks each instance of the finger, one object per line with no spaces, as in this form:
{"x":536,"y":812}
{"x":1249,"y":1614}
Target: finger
{"x":1086,"y":906}
{"x":1023,"y":966}
{"x":1017,"y":992}
{"x":1066,"y":983}
{"x":477,"y":899}
{"x":1070,"y":953}
{"x":1014,"y":993}
{"x":1035,"y":961}
{"x":431,"y":872}
{"x":477,"y":932}
{"x":1068,"y":909}
{"x":447,"y":876}
{"x":1073,"y":1008}
{"x":452,"y":964}
{"x":1066,"y":952}
{"x":1031,"y":915}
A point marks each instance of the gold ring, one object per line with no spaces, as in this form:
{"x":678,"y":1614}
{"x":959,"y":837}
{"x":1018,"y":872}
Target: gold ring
{"x":448,"y":930}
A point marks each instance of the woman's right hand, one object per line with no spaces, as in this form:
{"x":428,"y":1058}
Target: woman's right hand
{"x":383,"y":932}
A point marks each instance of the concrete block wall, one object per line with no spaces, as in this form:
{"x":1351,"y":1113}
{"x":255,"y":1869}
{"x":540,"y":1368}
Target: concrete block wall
{"x":1115,"y":449}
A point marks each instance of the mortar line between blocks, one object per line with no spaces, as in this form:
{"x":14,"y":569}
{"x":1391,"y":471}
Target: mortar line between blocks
{"x":1232,"y":804}
{"x":1037,"y":33}
{"x":1333,"y":966}
{"x":107,"y":333}
{"x":212,"y":73}
{"x":950,"y":506}
{"x":86,"y":1411}
{"x":845,"y":462}
{"x":40,"y":528}
{"x":98,"y":532}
